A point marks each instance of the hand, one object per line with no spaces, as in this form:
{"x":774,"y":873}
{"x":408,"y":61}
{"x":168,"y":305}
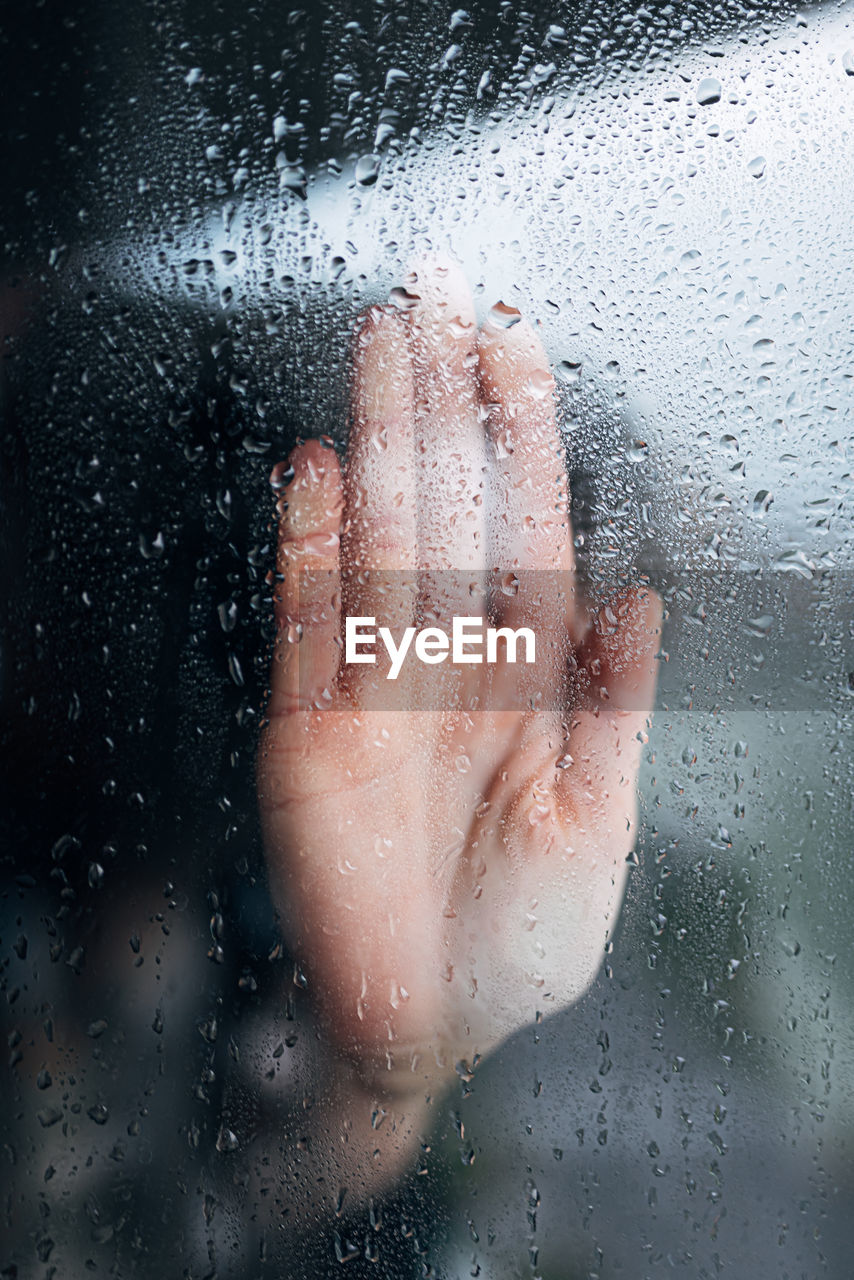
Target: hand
{"x":446,"y":869}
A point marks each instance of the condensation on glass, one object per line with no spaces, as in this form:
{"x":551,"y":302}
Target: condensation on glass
{"x":199,"y":203}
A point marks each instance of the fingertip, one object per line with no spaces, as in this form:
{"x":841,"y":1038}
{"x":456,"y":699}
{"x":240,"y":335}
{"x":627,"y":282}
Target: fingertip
{"x":443,"y":321}
{"x":314,"y":462}
{"x":309,"y":487}
{"x":512,"y":361}
{"x":622,"y":649}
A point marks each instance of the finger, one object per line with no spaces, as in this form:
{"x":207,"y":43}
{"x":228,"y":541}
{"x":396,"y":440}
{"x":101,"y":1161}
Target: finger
{"x":529,"y":517}
{"x":379,"y":530}
{"x":450,"y":447}
{"x":598,"y":769}
{"x":307,"y":602}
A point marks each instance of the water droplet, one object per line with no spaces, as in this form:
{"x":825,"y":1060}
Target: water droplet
{"x":403,"y":299}
{"x":151,"y":548}
{"x":761,"y":502}
{"x":708,"y":91}
{"x":226,"y":1140}
{"x":760,"y":626}
{"x":756,"y":168}
{"x":568,"y":371}
{"x":367,"y":170}
{"x":281,"y":475}
{"x":227,"y":614}
{"x":690,"y":260}
{"x":540,"y":384}
{"x":47,"y":1116}
{"x":503,"y":445}
{"x":458,"y":328}
{"x":503,"y":316}
{"x":321,"y":544}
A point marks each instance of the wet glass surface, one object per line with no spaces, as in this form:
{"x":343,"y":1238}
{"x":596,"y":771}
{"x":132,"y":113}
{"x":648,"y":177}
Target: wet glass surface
{"x":198,"y":203}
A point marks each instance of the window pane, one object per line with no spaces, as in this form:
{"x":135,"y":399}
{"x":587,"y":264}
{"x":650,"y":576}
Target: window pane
{"x":200,"y":204}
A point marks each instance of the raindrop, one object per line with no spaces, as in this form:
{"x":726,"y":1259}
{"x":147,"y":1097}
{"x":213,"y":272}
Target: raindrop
{"x":760,"y":626}
{"x":761,"y":502}
{"x":568,"y":371}
{"x":503,"y":445}
{"x":320,"y":544}
{"x":281,"y":475}
{"x":151,"y":548}
{"x":227,"y":614}
{"x":708,"y":91}
{"x":367,"y":170}
{"x":540,"y":384}
{"x":756,"y":168}
{"x":403,"y":299}
{"x":379,"y":439}
{"x":503,"y":316}
{"x":226,"y":1140}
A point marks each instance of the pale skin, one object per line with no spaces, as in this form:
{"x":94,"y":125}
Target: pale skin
{"x":446,"y":867}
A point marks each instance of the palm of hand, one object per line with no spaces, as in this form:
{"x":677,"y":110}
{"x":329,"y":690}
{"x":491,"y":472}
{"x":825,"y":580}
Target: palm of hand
{"x":449,"y":852}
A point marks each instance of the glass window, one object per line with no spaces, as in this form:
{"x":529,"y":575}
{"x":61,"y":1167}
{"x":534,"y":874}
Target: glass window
{"x":480,"y":971}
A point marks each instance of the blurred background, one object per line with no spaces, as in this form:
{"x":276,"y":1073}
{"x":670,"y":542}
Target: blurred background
{"x":197,"y":201}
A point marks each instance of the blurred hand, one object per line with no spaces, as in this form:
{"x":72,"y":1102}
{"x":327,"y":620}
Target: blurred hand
{"x":446,"y":864}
